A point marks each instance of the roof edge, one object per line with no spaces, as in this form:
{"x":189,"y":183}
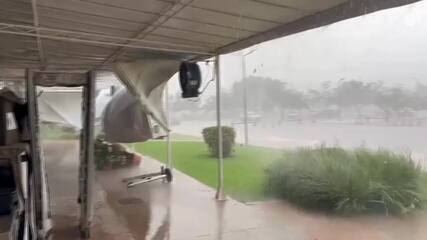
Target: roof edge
{"x":347,"y":10}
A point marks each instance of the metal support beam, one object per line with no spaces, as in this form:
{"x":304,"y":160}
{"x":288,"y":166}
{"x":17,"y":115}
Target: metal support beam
{"x":245,"y":101}
{"x":99,"y":39}
{"x":346,"y":10}
{"x":36,"y":24}
{"x":220,"y":195}
{"x":87,"y":165}
{"x":40,"y":222}
{"x":35,"y":166}
{"x":245,"y":96}
{"x":168,"y":137}
{"x":155,"y":23}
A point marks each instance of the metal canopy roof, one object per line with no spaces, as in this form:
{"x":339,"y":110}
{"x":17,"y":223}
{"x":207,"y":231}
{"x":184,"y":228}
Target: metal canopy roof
{"x":87,"y":34}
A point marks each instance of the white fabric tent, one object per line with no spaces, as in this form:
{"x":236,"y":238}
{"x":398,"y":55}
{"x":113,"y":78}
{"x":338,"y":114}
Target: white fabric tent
{"x":146,"y":80}
{"x":64,"y":107}
{"x":61,"y":107}
{"x":103,"y":97}
{"x":124,"y":120}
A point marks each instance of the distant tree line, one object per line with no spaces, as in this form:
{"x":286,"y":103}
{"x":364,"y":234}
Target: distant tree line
{"x":266,"y":94}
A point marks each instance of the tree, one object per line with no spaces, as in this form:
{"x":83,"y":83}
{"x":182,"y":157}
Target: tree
{"x":267,"y":94}
{"x":177,"y":103}
{"x":394,"y":99}
{"x":353,"y":93}
{"x":292,"y":99}
{"x":420,"y":96}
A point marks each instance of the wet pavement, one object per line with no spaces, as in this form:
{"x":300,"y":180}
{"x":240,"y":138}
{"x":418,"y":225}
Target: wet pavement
{"x":186,"y":210}
{"x":4,"y":227}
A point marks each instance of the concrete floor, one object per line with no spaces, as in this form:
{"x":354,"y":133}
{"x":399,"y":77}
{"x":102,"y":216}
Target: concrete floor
{"x":4,"y":227}
{"x":186,"y":210}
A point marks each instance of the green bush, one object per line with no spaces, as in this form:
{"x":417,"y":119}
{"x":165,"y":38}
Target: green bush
{"x":347,"y":182}
{"x":102,"y":154}
{"x":210,"y":136}
{"x":111,"y":155}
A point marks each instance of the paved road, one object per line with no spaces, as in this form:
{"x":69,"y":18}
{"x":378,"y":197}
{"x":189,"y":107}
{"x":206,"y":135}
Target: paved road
{"x":401,"y":139}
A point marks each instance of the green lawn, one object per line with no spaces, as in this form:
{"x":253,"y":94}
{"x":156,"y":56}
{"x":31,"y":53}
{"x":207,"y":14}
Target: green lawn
{"x":53,"y":132}
{"x":183,"y":137}
{"x":244,"y":173}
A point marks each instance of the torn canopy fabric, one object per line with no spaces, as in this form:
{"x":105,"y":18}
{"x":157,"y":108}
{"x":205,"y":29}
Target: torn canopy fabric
{"x":137,"y":114}
{"x":124,"y":121}
{"x":62,"y":107}
{"x":145,"y":80}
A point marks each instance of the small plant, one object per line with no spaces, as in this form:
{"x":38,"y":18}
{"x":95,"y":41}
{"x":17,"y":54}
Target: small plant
{"x":348,"y":181}
{"x":102,"y":154}
{"x":210,"y":136}
{"x":109,"y":155}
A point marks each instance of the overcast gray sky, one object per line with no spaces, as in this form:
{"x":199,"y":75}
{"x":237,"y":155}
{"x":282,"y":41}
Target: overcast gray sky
{"x":390,"y":46}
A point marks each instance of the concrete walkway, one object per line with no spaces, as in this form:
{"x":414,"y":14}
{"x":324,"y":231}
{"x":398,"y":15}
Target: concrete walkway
{"x":186,"y":210}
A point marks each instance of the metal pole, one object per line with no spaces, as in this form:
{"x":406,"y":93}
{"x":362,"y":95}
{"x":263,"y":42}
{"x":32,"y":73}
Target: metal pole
{"x":168,"y":137}
{"x":220,"y":195}
{"x":36,"y":188}
{"x":87,"y":142}
{"x":245,"y":100}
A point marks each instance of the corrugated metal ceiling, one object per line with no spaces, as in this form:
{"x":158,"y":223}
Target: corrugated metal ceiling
{"x":67,"y":34}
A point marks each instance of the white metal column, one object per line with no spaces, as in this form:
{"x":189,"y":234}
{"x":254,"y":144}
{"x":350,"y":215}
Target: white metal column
{"x":245,"y":96}
{"x":36,"y":219}
{"x":87,"y":168}
{"x":245,"y":101}
{"x":39,"y":194}
{"x":168,"y":137}
{"x":220,"y":195}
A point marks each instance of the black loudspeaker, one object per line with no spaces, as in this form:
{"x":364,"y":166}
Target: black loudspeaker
{"x":190,"y":79}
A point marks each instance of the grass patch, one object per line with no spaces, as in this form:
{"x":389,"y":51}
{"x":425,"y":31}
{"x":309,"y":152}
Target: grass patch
{"x":55,"y":132}
{"x":183,"y":137}
{"x":329,"y":179}
{"x":349,"y":182}
{"x":244,"y":172}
